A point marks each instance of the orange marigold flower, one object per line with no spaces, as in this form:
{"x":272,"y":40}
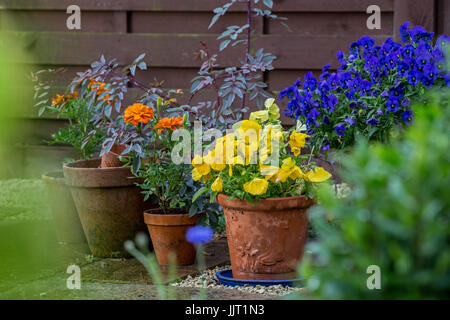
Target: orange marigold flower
{"x":138,"y":113}
{"x":59,"y":99}
{"x":99,"y":86}
{"x":172,"y":123}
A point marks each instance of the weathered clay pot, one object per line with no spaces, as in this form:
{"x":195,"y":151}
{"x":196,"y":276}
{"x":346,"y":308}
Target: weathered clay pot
{"x":111,"y":158}
{"x":168,"y":234}
{"x":266,"y":240}
{"x":109,"y":205}
{"x":67,"y":223}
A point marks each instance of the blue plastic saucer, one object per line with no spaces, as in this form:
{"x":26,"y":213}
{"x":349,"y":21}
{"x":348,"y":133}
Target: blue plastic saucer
{"x":225,"y":277}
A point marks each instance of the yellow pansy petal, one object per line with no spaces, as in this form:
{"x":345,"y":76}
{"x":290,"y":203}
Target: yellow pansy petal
{"x":259,"y":116}
{"x":269,"y":102}
{"x":197,"y":160}
{"x":317,"y":175}
{"x":217,"y":185}
{"x":256,"y":187}
{"x":203,"y":169}
{"x":196,"y":175}
{"x":218,"y":166}
{"x":297,"y":139}
{"x":296,"y":173}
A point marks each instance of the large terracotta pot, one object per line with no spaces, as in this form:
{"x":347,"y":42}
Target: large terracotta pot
{"x":168,"y":234}
{"x":266,"y":240}
{"x":67,"y":223}
{"x":109,"y":205}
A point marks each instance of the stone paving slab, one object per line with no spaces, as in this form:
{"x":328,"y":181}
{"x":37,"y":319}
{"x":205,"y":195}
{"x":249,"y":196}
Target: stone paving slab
{"x":131,"y":270}
{"x":55,"y":289}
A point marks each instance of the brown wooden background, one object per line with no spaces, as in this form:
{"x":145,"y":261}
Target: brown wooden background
{"x":170,"y":31}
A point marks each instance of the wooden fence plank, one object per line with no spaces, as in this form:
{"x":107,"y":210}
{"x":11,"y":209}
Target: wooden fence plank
{"x":443,"y":16}
{"x":195,"y":5}
{"x":293,"y":52}
{"x":345,"y":23}
{"x":418,"y":12}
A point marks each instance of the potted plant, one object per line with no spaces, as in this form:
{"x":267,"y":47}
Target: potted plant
{"x":107,"y":199}
{"x":165,"y":178}
{"x":370,"y":94}
{"x":77,"y":112}
{"x":265,"y":192}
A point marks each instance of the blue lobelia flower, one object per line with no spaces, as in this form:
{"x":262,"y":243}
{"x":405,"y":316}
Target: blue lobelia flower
{"x":372,"y":121}
{"x":397,"y":92}
{"x":408,"y":51}
{"x":350,"y":120}
{"x":199,"y":234}
{"x":427,"y":82}
{"x":430,"y":72}
{"x":413,"y":77}
{"x":340,"y":130}
{"x":405,"y":102}
{"x":443,"y":42}
{"x":404,"y":32}
{"x":407,"y":117}
{"x":392,"y":104}
{"x":403,"y":68}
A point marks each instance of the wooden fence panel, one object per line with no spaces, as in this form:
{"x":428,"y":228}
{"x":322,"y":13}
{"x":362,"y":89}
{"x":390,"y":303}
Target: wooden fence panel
{"x":170,"y":31}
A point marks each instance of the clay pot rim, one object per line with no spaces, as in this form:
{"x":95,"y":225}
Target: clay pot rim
{"x":47,"y":176}
{"x":180,"y":219}
{"x":267,"y":204}
{"x":70,"y":166}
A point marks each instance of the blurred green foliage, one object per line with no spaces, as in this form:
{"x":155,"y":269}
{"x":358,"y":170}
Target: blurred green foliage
{"x":396,"y":217}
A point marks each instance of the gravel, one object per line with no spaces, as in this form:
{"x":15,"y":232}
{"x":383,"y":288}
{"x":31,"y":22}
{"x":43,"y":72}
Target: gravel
{"x":208,"y":280}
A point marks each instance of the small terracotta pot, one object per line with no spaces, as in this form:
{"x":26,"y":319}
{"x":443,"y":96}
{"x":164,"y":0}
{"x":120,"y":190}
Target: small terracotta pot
{"x":168,"y":234}
{"x":66,"y":221}
{"x":266,"y":240}
{"x":108,"y":203}
{"x":111,"y":158}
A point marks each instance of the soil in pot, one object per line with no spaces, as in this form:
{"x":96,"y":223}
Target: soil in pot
{"x":111,"y":158}
{"x":108,"y":203}
{"x":65,"y":217}
{"x":168,"y":233}
{"x":266,"y":240}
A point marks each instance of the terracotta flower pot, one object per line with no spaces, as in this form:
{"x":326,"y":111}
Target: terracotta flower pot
{"x":266,"y":240}
{"x":168,"y":234}
{"x":111,"y":158}
{"x":67,"y":223}
{"x":108,"y":203}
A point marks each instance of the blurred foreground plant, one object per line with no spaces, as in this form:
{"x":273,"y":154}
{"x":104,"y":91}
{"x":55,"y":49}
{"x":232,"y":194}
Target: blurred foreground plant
{"x":396,"y":217}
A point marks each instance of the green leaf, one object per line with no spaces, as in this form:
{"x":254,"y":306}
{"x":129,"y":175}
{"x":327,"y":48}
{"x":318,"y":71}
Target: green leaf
{"x":268,"y":3}
{"x":199,"y":192}
{"x":224,"y":44}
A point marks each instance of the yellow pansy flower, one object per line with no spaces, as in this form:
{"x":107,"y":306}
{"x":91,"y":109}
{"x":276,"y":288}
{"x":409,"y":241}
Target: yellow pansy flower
{"x":198,"y":160}
{"x":296,"y":173}
{"x":297,"y":139}
{"x":259,"y":116}
{"x":256,"y":187}
{"x":272,"y":108}
{"x":196,"y":175}
{"x":217,"y":185}
{"x":317,"y":175}
{"x":268,"y":171}
{"x":249,"y":131}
